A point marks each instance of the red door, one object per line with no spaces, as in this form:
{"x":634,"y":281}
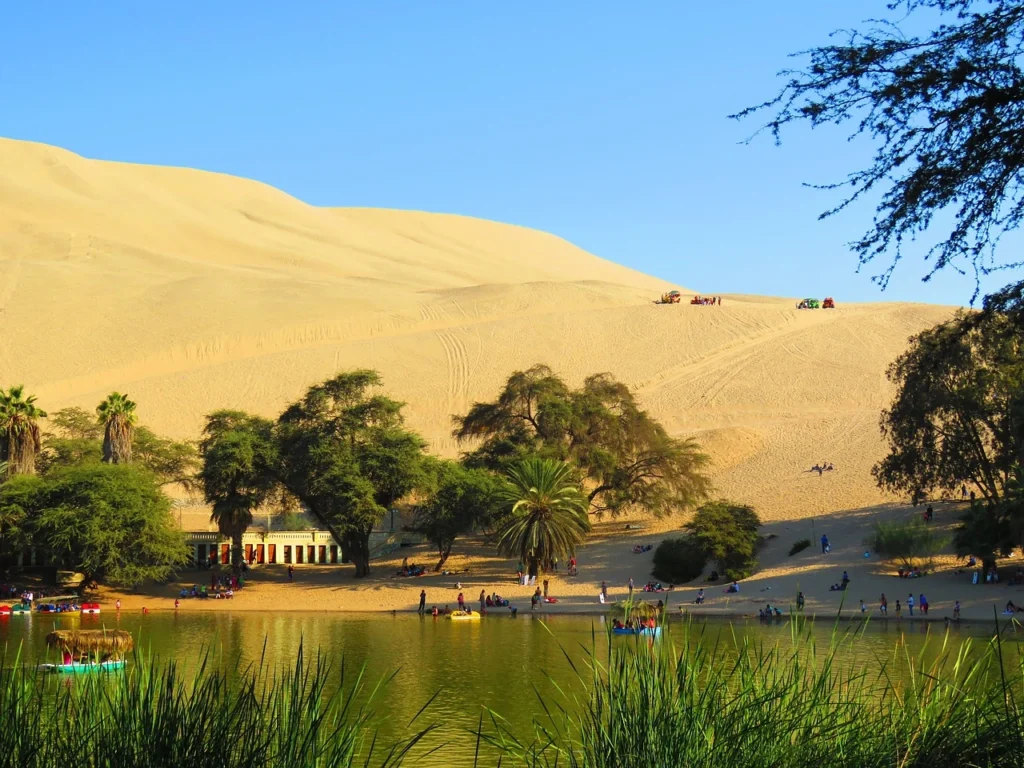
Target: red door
{"x":259,"y":554}
{"x":225,"y":553}
{"x":271,"y":553}
{"x":298,"y":554}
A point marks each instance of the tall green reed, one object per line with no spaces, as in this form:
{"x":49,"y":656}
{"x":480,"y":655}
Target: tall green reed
{"x":152,"y":716}
{"x":703,"y":696}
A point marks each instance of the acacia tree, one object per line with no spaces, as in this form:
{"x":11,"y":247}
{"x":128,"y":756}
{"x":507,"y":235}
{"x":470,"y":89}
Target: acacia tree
{"x":944,"y":111}
{"x":346,"y":456}
{"x":238,"y":473}
{"x":727,"y":532}
{"x":547,"y":513}
{"x":458,"y":500}
{"x":622,"y":456}
{"x":20,"y":438}
{"x":117,"y":415}
{"x":956,"y":419}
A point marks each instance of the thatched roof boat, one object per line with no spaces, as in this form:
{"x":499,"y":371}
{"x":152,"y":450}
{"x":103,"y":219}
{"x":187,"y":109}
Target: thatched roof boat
{"x":91,"y":640}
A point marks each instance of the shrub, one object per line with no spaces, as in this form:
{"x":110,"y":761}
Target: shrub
{"x":799,"y":546}
{"x":906,"y":542}
{"x":679,"y":560}
{"x":727,"y":532}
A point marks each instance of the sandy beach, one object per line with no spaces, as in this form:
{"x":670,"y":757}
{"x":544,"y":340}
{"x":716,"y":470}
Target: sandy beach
{"x":609,"y":557}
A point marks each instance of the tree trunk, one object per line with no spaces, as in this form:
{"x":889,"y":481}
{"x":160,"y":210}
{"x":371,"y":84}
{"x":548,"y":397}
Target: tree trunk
{"x":355,"y":546}
{"x":236,"y":552}
{"x":117,"y":441}
{"x":443,"y":552}
{"x":21,"y":454}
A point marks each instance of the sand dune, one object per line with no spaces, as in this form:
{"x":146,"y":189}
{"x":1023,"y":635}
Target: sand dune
{"x":192,"y":290}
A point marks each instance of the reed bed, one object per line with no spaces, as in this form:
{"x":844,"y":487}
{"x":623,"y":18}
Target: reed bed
{"x":703,"y":697}
{"x":152,"y":716}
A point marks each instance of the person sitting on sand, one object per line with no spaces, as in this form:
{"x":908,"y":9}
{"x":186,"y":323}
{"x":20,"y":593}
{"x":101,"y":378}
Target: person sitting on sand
{"x":733,"y":588}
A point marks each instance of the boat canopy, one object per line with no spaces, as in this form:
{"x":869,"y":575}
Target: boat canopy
{"x":90,"y":640}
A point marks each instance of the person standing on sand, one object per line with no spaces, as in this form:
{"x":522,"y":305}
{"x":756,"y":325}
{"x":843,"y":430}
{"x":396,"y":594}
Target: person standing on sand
{"x":545,"y":587}
{"x":630,"y":585}
{"x":462,"y":602}
{"x":423,"y":601}
{"x":897,"y":609}
{"x":923,"y":602}
{"x":956,"y":612}
{"x":483,"y":599}
{"x":910,"y":604}
{"x":883,"y":605}
{"x":604,"y":589}
{"x":291,"y":572}
{"x":824,"y":544}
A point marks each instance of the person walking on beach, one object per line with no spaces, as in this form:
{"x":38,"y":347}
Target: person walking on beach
{"x":910,"y":604}
{"x":423,"y":600}
{"x":956,"y":612}
{"x":898,"y":609}
{"x":883,"y":605}
{"x":483,"y":599}
{"x":630,"y":585}
{"x":824,"y":544}
{"x":291,"y":572}
{"x":923,"y":602}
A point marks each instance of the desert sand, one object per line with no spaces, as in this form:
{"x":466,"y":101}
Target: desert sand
{"x":192,"y":290}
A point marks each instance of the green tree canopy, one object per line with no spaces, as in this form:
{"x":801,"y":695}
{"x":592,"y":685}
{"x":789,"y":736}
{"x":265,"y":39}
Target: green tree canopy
{"x":76,"y":438}
{"x":957,"y":416}
{"x":624,"y":458}
{"x":109,"y":521}
{"x":238,"y":474}
{"x":117,"y":415}
{"x":458,"y":500}
{"x":17,"y":497}
{"x":20,"y":437}
{"x":547,"y":513}
{"x":943,"y":109}
{"x":727,"y":532}
{"x":346,"y":456}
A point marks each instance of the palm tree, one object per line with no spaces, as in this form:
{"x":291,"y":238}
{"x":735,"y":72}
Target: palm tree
{"x":117,"y":415}
{"x":547,"y":519}
{"x":237,"y":473}
{"x":19,"y":430}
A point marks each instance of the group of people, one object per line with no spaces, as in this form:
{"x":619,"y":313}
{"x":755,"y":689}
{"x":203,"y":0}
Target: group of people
{"x":768,"y":612}
{"x":707,"y":301}
{"x":639,"y":549}
{"x":825,"y":466}
{"x":219,"y":592}
{"x":410,"y":570}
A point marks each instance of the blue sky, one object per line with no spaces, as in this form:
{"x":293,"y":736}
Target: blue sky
{"x":605,"y":123}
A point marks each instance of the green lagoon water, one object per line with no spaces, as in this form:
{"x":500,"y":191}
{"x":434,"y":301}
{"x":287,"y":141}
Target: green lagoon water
{"x":499,"y":663}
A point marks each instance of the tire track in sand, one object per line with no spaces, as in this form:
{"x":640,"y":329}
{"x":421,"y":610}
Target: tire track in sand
{"x":457,"y":361}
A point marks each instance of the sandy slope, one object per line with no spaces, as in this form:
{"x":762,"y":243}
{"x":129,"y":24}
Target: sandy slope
{"x":192,"y":291}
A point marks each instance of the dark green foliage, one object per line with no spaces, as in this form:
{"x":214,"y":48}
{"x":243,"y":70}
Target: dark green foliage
{"x":677,"y":561}
{"x":910,"y":542}
{"x":799,"y":546}
{"x":958,"y":415}
{"x":238,"y":473}
{"x":458,"y":500}
{"x":943,"y":109}
{"x":624,"y":459}
{"x":727,"y":532}
{"x":109,"y":521}
{"x":346,"y":456}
